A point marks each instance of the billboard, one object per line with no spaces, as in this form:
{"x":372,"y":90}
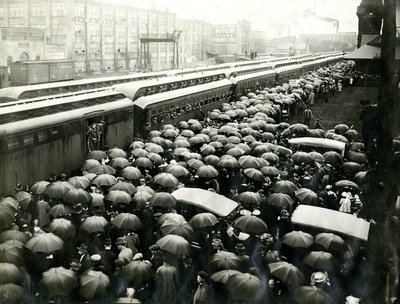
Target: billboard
{"x":225,"y":34}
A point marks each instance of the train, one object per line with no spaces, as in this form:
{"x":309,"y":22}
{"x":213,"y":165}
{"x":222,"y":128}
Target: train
{"x":49,"y":136}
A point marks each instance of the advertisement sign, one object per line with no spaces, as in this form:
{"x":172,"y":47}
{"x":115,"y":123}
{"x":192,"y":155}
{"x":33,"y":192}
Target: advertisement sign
{"x":225,"y":35}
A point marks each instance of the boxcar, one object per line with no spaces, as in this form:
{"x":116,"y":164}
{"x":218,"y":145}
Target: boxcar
{"x":33,"y":149}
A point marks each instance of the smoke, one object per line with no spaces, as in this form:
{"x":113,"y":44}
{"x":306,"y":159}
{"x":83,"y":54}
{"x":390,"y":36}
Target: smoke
{"x":309,"y":13}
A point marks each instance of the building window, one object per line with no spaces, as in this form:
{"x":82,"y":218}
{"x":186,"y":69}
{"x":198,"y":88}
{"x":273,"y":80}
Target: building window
{"x":109,"y":31}
{"x":58,"y":11}
{"x":37,"y":11}
{"x":16,"y":12}
{"x":80,"y":66}
{"x":94,"y":13}
{"x":24,"y":56}
{"x":79,"y":11}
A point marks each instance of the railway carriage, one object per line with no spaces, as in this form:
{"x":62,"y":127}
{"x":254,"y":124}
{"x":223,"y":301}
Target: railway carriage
{"x":245,"y":83}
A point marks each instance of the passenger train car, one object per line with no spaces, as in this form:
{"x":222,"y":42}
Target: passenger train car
{"x":39,"y":138}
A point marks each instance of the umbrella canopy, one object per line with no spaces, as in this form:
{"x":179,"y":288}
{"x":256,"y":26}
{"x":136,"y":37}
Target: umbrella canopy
{"x":93,"y":283}
{"x":184,"y":230}
{"x":141,"y":197}
{"x":62,"y":228}
{"x":311,"y":295}
{"x":228,"y":162}
{"x":118,"y":197}
{"x":163,"y":199}
{"x":320,"y":260}
{"x":9,"y":273}
{"x":316,"y":156}
{"x":155,"y":158}
{"x":235,"y":152}
{"x":248,"y":161}
{"x":270,"y":171}
{"x":181,"y":143}
{"x":10,"y":235}
{"x":346,"y":183}
{"x":11,"y":252}
{"x":332,"y":157}
{"x":224,"y":260}
{"x":249,"y":197}
{"x":139,"y":152}
{"x":244,"y":286}
{"x":154,"y":148}
{"x":94,"y":224}
{"x":60,"y":210}
{"x":7,"y":217}
{"x":124,"y":186}
{"x":280,"y":200}
{"x":77,"y":196}
{"x":195,"y":163}
{"x":211,"y":160}
{"x":331,"y":241}
{"x":90,"y":164}
{"x":143,"y":162}
{"x":119,"y":162}
{"x":254,"y":174}
{"x":307,"y":196}
{"x":23,"y":198}
{"x":138,"y":271}
{"x":352,"y":167}
{"x":58,"y":189}
{"x":97,"y":154}
{"x":127,"y":221}
{"x":287,"y":273}
{"x":301,"y":157}
{"x":222,"y":276}
{"x":59,"y":281}
{"x":298,"y":239}
{"x":357,"y":157}
{"x":104,"y":180}
{"x":207,"y":171}
{"x":131,"y":173}
{"x":176,"y":217}
{"x":39,"y":187}
{"x":174,"y":244}
{"x":284,"y":186}
{"x":207,"y":150}
{"x":9,"y":202}
{"x":116,"y":152}
{"x":44,"y":242}
{"x":166,"y":180}
{"x":102,"y":169}
{"x":250,"y":224}
{"x":177,"y":170}
{"x":341,"y":128}
{"x":11,"y":293}
{"x":204,"y":219}
{"x":359,"y":178}
{"x":81,"y":182}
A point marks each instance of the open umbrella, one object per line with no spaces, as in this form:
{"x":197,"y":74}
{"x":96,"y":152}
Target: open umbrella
{"x":184,"y":230}
{"x":124,"y":186}
{"x":119,"y":162}
{"x":116,"y":152}
{"x":320,"y":260}
{"x":332,"y":157}
{"x":154,"y":148}
{"x":176,"y":170}
{"x":104,"y":180}
{"x":207,"y":149}
{"x":270,"y":171}
{"x":346,"y":183}
{"x":298,"y":239}
{"x":341,"y":128}
{"x":176,"y":217}
{"x":141,"y":197}
{"x":235,"y":152}
{"x":301,"y":157}
{"x":97,"y":154}
{"x":222,"y":276}
{"x":62,"y":228}
{"x":9,"y":202}
{"x":359,"y":178}
{"x":60,"y":210}
{"x":138,"y":271}
{"x":90,"y":164}
{"x":284,"y":186}
{"x":131,"y":173}
{"x":10,"y":235}
{"x":93,"y":283}
{"x":357,"y":157}
{"x":118,"y":197}
{"x":58,"y":281}
{"x":207,"y":171}
{"x":181,"y":143}
{"x":77,"y":196}
{"x":330,"y":241}
{"x":94,"y":224}
{"x":143,"y":162}
{"x":249,"y":197}
{"x":224,"y":260}
{"x":228,"y":162}
{"x":11,"y":293}
{"x":166,"y":180}
{"x":7,"y":217}
{"x":139,"y":152}
{"x":127,"y":221}
{"x":23,"y":198}
{"x":102,"y":169}
{"x":316,"y":156}
{"x":155,"y":158}
{"x":250,"y":224}
{"x":174,"y":244}
{"x":280,"y":200}
{"x":212,"y":160}
{"x":248,"y":161}
{"x":81,"y":182}
{"x":311,"y":295}
{"x":351,"y":167}
{"x":58,"y":189}
{"x":44,"y":242}
{"x":307,"y":196}
{"x":9,"y":273}
{"x":11,"y":252}
{"x":286,"y":272}
{"x":204,"y":219}
{"x":39,"y":187}
{"x":254,"y":174}
{"x":163,"y":199}
{"x":244,"y":286}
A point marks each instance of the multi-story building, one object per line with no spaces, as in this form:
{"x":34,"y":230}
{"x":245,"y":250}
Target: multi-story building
{"x":99,"y":36}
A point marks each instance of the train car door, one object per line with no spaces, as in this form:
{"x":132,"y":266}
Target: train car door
{"x":94,"y":132}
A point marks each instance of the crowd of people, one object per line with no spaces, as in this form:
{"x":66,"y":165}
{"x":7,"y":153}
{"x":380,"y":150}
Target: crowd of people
{"x":116,"y":234}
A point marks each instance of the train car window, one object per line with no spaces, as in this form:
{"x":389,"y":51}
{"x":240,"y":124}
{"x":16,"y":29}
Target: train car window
{"x":29,"y":139}
{"x":55,"y":132}
{"x":122,"y":116}
{"x":42,"y":136}
{"x":12,"y":142}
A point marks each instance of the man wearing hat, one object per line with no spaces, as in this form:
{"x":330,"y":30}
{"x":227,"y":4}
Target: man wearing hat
{"x":108,"y":257}
{"x":96,"y":263}
{"x":156,"y":256}
{"x":201,"y":296}
{"x":125,"y":254}
{"x":320,"y":280}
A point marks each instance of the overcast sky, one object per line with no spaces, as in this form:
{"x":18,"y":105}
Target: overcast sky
{"x":277,"y":17}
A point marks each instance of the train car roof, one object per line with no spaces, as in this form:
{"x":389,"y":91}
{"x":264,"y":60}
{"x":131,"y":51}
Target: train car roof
{"x":15,"y":92}
{"x":54,"y":119}
{"x":52,"y":102}
{"x":252,"y":75}
{"x":288,"y":68}
{"x":145,"y":101}
{"x":129,"y":89}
